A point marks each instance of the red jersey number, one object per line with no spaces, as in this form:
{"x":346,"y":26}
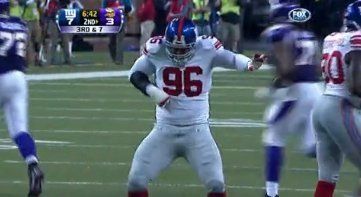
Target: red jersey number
{"x":178,"y":81}
{"x":327,"y":61}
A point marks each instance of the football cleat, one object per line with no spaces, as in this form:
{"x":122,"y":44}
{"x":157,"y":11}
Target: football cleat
{"x":36,"y":178}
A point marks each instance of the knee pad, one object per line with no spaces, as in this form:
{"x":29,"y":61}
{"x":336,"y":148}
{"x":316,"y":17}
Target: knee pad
{"x":215,"y":186}
{"x":137,"y":183}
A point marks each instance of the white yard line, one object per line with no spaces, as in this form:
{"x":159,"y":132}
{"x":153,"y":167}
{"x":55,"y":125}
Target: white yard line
{"x":213,"y":122}
{"x":88,"y":131}
{"x":117,"y":184}
{"x":107,"y":163}
{"x":106,"y":100}
{"x":91,"y":118}
{"x":100,"y":74}
{"x":130,"y":86}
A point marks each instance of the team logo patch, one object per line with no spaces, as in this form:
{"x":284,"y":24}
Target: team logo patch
{"x":299,"y":15}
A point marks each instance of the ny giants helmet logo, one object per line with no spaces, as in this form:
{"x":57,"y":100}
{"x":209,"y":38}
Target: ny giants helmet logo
{"x":299,"y":15}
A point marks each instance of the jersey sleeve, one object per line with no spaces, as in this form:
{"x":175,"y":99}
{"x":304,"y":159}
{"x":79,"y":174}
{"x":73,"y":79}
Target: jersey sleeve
{"x":227,"y":59}
{"x":222,"y":57}
{"x":355,"y":42}
{"x":144,"y":65}
{"x":153,"y":45}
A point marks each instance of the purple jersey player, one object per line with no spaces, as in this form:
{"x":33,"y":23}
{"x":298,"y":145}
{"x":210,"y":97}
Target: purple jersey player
{"x":14,"y":92}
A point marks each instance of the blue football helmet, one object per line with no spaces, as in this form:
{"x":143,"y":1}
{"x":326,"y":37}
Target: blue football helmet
{"x":180,"y":40}
{"x":353,"y":15}
{"x":280,"y":12}
{"x":4,"y":6}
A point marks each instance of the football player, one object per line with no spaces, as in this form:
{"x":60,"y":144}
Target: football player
{"x":294,"y":90}
{"x":182,"y":64}
{"x":14,"y":92}
{"x":337,"y":116}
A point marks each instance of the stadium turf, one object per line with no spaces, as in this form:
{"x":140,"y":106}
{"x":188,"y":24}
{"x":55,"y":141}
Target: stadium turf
{"x":88,"y":129}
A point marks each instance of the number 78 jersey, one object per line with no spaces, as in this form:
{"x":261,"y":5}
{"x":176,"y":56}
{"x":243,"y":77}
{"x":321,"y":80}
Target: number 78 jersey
{"x":13,"y":42}
{"x":334,"y":63}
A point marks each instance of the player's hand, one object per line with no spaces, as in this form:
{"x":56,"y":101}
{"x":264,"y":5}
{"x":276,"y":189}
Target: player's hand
{"x":160,"y":97}
{"x":257,"y":61}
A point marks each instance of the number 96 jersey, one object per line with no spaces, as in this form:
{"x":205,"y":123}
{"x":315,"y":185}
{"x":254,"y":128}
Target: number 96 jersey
{"x":188,"y":85}
{"x":13,"y":39}
{"x":334,"y":60}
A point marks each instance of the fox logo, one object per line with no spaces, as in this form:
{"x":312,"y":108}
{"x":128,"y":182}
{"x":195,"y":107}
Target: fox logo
{"x":299,"y":15}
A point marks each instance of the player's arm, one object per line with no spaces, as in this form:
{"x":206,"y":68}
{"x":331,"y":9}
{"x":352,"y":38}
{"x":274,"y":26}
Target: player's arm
{"x":227,"y":59}
{"x":139,"y":77}
{"x":354,"y":75}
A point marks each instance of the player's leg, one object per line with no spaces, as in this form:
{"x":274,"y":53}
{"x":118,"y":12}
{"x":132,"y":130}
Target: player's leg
{"x":329,"y":156}
{"x":235,"y":35}
{"x":308,"y":144}
{"x":65,"y":42}
{"x":119,"y":49}
{"x":54,"y":36}
{"x":37,"y":41}
{"x":278,"y":119}
{"x":15,"y":109}
{"x":350,"y":144}
{"x":154,"y":154}
{"x":308,"y":94}
{"x":203,"y":155}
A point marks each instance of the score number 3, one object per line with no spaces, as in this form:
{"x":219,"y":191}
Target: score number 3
{"x":178,"y":81}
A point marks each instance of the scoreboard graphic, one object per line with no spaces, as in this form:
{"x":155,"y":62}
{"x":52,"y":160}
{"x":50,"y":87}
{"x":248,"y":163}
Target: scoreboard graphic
{"x":81,"y":21}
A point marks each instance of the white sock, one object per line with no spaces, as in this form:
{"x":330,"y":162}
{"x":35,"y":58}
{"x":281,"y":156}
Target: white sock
{"x":31,"y":159}
{"x":272,"y":188}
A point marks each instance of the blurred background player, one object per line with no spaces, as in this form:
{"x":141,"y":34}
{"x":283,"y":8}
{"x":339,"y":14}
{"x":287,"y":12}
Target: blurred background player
{"x":179,"y":9}
{"x":14,"y":92}
{"x":295,"y":91}
{"x":50,"y":10}
{"x":181,"y":94}
{"x":29,"y":12}
{"x":116,"y":45}
{"x":74,"y":4}
{"x":146,"y":15}
{"x":32,"y":17}
{"x":229,"y":26}
{"x":201,"y":16}
{"x":337,"y":117}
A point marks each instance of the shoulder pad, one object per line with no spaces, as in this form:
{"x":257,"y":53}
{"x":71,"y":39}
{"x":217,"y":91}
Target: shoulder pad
{"x":277,"y":33}
{"x":153,"y":45}
{"x":209,"y":42}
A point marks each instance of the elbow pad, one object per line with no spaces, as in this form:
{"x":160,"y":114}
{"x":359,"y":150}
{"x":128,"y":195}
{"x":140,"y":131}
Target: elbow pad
{"x":140,"y":81}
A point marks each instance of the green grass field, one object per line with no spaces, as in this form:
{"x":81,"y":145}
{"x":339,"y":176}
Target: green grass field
{"x":88,"y":130}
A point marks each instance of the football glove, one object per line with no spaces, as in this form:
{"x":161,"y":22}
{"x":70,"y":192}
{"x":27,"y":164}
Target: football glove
{"x":256,"y":62}
{"x":159,"y":96}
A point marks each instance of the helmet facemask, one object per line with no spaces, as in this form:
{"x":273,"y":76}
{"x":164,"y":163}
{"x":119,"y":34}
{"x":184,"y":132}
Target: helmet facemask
{"x":179,"y":52}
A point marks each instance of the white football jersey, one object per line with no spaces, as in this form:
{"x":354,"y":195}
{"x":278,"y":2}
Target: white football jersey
{"x":189,"y":85}
{"x":334,"y":66}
